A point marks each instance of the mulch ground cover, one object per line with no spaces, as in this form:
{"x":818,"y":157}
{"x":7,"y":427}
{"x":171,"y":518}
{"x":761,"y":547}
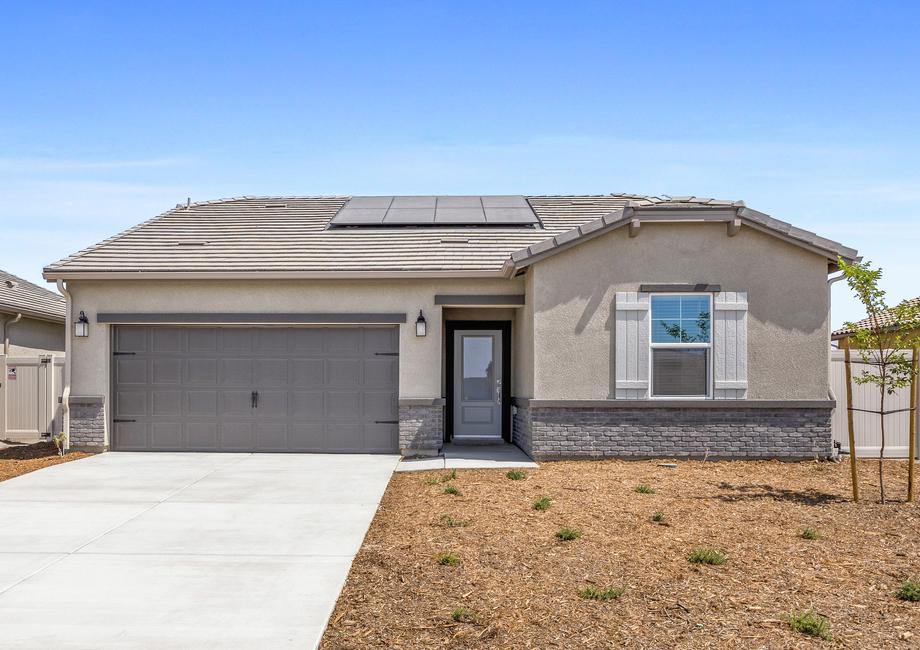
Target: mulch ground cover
{"x":23,"y":459}
{"x":516,"y":585}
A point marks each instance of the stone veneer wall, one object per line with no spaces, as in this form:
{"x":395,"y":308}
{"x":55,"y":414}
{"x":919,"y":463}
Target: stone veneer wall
{"x":87,"y":425}
{"x":520,"y":427}
{"x":719,"y":432}
{"x":421,"y":429}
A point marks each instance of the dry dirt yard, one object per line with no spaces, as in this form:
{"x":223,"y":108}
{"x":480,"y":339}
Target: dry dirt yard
{"x":519,"y":585}
{"x":22,"y":459}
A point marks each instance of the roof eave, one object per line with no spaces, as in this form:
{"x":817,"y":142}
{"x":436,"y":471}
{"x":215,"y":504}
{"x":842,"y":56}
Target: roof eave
{"x":52,"y":273}
{"x":31,"y":313}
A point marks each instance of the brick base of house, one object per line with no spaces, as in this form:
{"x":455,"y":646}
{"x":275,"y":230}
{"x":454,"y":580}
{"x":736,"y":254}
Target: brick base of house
{"x":421,"y":429}
{"x":87,"y":424}
{"x":717,"y":431}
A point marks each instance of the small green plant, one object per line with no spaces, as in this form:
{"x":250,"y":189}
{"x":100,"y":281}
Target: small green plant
{"x":644,"y":489}
{"x":811,"y":623}
{"x":910,"y":591}
{"x":516,"y":474}
{"x":567,"y":534}
{"x":447,"y":558}
{"x":706,"y":556}
{"x":542,"y":504}
{"x":437,"y":480}
{"x":449,"y":522}
{"x":659,"y":518}
{"x":58,"y":441}
{"x":450,"y":489}
{"x":810,"y":533}
{"x":463,"y":615}
{"x":596,"y":593}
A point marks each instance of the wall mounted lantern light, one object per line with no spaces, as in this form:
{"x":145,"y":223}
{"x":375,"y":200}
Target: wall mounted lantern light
{"x":421,"y":325}
{"x":81,"y":327}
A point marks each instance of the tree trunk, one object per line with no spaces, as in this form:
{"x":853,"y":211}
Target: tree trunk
{"x":881,"y":451}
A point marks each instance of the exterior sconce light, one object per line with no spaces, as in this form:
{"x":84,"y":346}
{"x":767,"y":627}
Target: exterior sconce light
{"x":421,"y":325}
{"x":81,"y":327}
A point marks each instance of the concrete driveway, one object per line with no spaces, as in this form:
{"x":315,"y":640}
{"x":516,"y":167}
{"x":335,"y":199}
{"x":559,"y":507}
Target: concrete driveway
{"x":127,"y":550}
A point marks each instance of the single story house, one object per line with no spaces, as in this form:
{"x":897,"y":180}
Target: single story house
{"x":572,"y":326}
{"x":31,"y":318}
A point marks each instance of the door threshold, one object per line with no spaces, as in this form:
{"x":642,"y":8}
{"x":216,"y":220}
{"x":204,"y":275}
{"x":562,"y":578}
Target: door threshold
{"x":478,"y":440}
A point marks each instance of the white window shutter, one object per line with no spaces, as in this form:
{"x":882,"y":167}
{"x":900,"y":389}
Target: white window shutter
{"x":632,"y":345}
{"x":729,"y":343}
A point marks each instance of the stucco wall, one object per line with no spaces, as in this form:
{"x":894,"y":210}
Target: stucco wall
{"x":574,"y":294}
{"x":31,"y":336}
{"x":420,"y":358}
{"x":522,"y":343}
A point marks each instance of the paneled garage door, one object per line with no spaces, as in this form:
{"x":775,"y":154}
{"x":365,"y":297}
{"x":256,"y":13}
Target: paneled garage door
{"x":271,"y":389}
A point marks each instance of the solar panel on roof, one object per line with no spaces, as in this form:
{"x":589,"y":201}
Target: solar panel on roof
{"x":436,"y":211}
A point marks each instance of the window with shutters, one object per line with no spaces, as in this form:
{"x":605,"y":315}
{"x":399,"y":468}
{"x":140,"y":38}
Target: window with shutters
{"x":681,"y":345}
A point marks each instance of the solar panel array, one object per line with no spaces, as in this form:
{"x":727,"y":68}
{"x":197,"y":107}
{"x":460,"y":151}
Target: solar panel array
{"x":436,"y":211}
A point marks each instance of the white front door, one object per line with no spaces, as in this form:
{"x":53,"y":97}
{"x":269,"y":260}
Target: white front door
{"x":477,"y":384}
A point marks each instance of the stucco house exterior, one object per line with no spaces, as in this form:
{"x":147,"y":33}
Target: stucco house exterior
{"x":31,"y":318}
{"x":573,"y":326}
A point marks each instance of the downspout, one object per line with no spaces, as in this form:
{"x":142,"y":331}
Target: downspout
{"x":6,"y":332}
{"x":830,"y":364}
{"x":68,"y":352}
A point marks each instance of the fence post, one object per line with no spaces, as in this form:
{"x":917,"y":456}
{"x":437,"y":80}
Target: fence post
{"x":911,"y":444}
{"x":852,"y":435}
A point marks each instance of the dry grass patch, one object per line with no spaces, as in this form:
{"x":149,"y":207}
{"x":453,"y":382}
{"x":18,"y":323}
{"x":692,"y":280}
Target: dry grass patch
{"x":523,"y":584}
{"x":22,"y":459}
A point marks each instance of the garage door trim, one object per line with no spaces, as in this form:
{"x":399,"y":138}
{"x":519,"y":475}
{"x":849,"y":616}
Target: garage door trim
{"x":252,"y":318}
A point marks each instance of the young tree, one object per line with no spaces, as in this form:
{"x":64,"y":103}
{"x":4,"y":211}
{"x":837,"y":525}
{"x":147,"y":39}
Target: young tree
{"x":880,"y":343}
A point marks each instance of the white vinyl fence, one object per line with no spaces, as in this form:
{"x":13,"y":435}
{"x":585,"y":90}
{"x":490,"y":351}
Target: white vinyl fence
{"x":866,"y":425}
{"x":30,"y":391}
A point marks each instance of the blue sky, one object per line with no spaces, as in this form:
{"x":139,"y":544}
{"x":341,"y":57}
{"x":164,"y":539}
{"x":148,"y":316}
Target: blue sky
{"x":111,"y":113}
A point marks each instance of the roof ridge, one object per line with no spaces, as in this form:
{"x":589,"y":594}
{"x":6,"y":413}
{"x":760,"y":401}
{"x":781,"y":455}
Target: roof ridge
{"x":255,"y":197}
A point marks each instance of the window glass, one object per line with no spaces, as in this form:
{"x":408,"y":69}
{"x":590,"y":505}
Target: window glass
{"x":477,"y":368}
{"x":680,"y":372}
{"x":680,"y":319}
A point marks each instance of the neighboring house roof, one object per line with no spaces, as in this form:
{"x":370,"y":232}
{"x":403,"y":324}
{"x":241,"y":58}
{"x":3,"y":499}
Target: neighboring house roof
{"x":23,"y":297}
{"x":882,"y":322}
{"x":292,"y":236}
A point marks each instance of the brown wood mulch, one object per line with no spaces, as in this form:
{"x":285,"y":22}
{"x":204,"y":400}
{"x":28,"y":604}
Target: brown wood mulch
{"x":22,"y":459}
{"x":521,"y":583}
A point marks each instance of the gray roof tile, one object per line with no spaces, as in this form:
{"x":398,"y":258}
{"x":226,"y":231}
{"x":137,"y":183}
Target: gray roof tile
{"x":21,"y":296}
{"x":243,"y":235}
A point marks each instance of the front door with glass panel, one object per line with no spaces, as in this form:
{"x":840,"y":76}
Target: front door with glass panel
{"x":477,"y":384}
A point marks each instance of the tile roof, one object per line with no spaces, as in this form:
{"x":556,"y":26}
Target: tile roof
{"x":292,"y":235}
{"x":884,"y":320}
{"x":21,"y":296}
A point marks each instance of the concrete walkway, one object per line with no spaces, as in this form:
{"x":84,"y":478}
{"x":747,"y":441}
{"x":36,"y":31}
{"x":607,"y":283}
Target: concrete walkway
{"x":184,"y":551}
{"x":470,"y":457}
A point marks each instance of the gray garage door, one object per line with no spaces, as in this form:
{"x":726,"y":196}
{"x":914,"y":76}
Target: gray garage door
{"x":269,"y":389}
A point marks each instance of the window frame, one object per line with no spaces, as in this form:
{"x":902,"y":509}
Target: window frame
{"x":680,"y":346}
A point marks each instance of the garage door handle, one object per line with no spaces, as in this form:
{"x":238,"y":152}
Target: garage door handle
{"x":386,"y":354}
{"x":255,"y":399}
{"x":386,"y":421}
{"x":122,"y":420}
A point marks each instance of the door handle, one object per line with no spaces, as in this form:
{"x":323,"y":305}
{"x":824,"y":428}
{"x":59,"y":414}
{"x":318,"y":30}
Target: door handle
{"x":255,"y":399}
{"x":498,"y":392}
